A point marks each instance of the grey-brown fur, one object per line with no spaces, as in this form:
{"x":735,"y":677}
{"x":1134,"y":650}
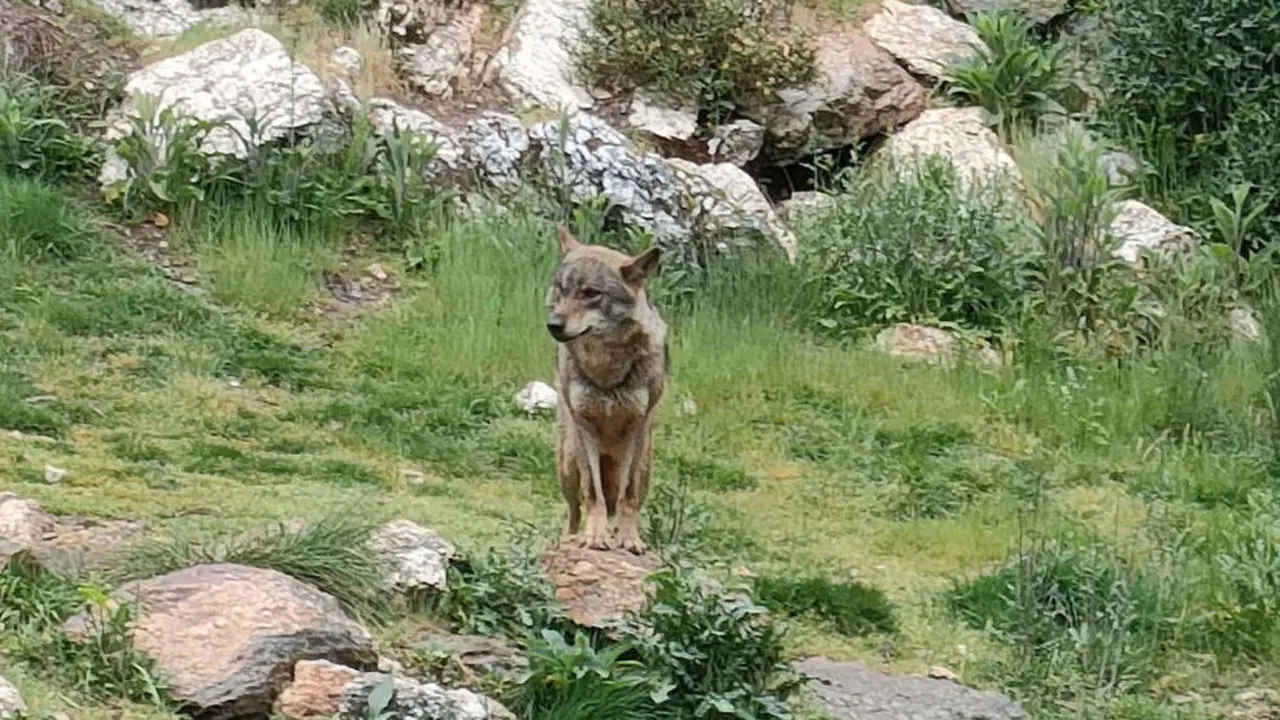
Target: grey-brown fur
{"x":611,"y":373}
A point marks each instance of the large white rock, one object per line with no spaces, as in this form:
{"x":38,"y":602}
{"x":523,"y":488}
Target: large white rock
{"x":658,"y":118}
{"x":744,"y":206}
{"x":537,"y":64}
{"x":537,"y":396}
{"x":959,"y":135}
{"x":249,"y":75}
{"x":419,"y":557}
{"x":1140,"y":228}
{"x":494,"y":144}
{"x":167,"y":19}
{"x":924,"y":39}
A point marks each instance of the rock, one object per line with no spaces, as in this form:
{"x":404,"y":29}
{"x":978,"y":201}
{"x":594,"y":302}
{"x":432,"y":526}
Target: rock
{"x":599,"y":587}
{"x":738,"y":142}
{"x":228,"y":636}
{"x":11,"y":702}
{"x":937,"y":672}
{"x":54,"y":475}
{"x":316,"y":690}
{"x":861,"y":93}
{"x":478,"y":654}
{"x":348,"y":60}
{"x":413,"y":477}
{"x":1037,"y":11}
{"x":961,"y":137}
{"x":1139,"y":228}
{"x":537,"y":65}
{"x":415,"y":700}
{"x":413,"y":21}
{"x":419,"y":557}
{"x":744,"y":206}
{"x":386,"y":115}
{"x":594,"y":160}
{"x":657,"y":118}
{"x":67,"y":545}
{"x":23,"y":524}
{"x":1119,"y":166}
{"x":850,"y":691}
{"x":495,"y":145}
{"x":434,"y":66}
{"x":536,"y":396}
{"x":804,"y":202}
{"x":1244,"y":324}
{"x":930,"y":344}
{"x":167,"y":19}
{"x":249,"y":74}
{"x":921,"y":37}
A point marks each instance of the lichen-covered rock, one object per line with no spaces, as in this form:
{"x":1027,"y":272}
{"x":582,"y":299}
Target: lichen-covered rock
{"x":227,"y":82}
{"x":495,"y":145}
{"x":228,"y":636}
{"x":414,"y":700}
{"x":923,"y":38}
{"x":167,"y":19}
{"x":1139,"y":228}
{"x":419,"y":557}
{"x":733,"y":204}
{"x":851,"y":691}
{"x":961,"y":136}
{"x":860,"y":92}
{"x":536,"y":65}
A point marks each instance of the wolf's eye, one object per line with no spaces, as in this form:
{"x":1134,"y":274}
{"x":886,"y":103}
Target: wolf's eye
{"x":590,"y":293}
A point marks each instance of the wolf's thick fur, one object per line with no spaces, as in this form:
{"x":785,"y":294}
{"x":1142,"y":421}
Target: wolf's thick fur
{"x":611,"y":372}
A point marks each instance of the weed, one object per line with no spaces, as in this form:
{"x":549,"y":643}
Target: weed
{"x":331,"y":553}
{"x":496,"y":592}
{"x":577,"y":682}
{"x":852,"y":608}
{"x":34,"y":140}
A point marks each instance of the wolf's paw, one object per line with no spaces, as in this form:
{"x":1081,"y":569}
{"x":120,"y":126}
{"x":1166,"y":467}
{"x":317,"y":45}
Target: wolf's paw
{"x":632,"y":544}
{"x":596,"y":536}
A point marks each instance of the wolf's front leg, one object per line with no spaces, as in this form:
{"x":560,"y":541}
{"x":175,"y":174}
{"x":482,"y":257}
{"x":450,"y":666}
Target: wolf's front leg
{"x":628,"y":511}
{"x":597,"y":531}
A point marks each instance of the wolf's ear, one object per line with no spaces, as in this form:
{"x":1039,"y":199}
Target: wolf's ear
{"x":641,"y":266}
{"x":568,"y":243}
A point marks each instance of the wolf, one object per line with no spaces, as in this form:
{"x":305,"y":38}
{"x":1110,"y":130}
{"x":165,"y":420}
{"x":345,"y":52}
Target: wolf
{"x":612,"y":364}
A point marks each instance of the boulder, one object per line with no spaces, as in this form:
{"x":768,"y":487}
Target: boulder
{"x":931,"y":344}
{"x":1037,"y":11}
{"x":228,"y":636}
{"x":860,"y":92}
{"x":247,"y":75}
{"x":416,"y":700}
{"x":656,"y":117}
{"x":480,"y":655}
{"x":961,"y":136}
{"x":850,"y":691}
{"x":537,"y":396}
{"x":68,"y":545}
{"x":923,"y":38}
{"x":536,"y":64}
{"x":599,"y":587}
{"x":738,"y":142}
{"x":315,"y":691}
{"x":167,"y":19}
{"x":419,"y":558}
{"x":11,"y":703}
{"x":1139,"y":228}
{"x":435,"y":66}
{"x":733,"y":203}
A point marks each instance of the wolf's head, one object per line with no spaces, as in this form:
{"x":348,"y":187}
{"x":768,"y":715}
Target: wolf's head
{"x":596,"y":290}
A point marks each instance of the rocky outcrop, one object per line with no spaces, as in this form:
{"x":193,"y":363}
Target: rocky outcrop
{"x":387,"y":115}
{"x":227,"y":82}
{"x":228,"y":636}
{"x":438,"y":64}
{"x":599,"y":587}
{"x":850,"y":691}
{"x":536,"y":65}
{"x":418,"y":557}
{"x":495,"y":145}
{"x":1138,"y":228}
{"x":923,"y":38}
{"x":861,"y":92}
{"x":960,"y":136}
{"x":167,"y":19}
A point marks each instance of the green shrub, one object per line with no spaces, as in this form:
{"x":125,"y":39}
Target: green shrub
{"x":915,"y":247}
{"x":577,"y":682}
{"x":715,"y":53}
{"x":504,"y":593}
{"x":1194,"y":86}
{"x":718,"y":653}
{"x":852,"y":608}
{"x":1011,"y":76}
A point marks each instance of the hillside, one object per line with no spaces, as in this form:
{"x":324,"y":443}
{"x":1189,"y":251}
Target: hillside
{"x":973,"y":347}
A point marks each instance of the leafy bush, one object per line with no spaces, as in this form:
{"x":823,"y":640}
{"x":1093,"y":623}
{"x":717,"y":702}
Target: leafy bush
{"x":715,"y":53}
{"x":718,"y":652}
{"x":504,"y":593}
{"x":1194,"y":85}
{"x":577,"y":682}
{"x":853,"y":608}
{"x":1011,"y":76}
{"x":914,"y":247}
